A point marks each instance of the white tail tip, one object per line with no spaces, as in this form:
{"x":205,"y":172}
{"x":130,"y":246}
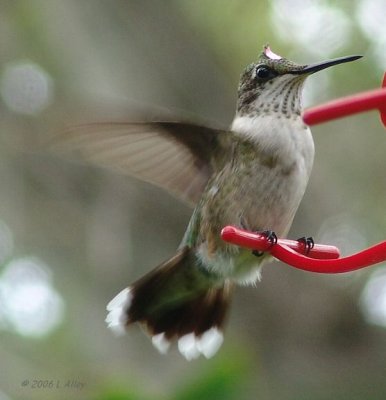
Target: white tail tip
{"x":117,"y":317}
{"x":191,"y":346}
{"x":160,"y":343}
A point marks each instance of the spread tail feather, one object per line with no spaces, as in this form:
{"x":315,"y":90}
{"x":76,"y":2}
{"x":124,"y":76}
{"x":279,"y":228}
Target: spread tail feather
{"x":177,"y":300}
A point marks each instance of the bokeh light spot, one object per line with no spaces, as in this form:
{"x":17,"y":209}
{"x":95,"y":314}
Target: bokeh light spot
{"x":29,"y":304}
{"x":307,"y":22}
{"x":26,"y":88}
{"x":371,"y":18}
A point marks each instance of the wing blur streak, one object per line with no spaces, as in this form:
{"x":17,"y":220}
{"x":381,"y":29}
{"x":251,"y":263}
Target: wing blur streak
{"x":178,"y":157}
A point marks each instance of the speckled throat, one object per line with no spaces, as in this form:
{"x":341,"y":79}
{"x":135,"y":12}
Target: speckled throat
{"x":281,"y":95}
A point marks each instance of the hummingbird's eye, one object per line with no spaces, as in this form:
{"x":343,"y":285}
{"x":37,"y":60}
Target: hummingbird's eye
{"x":264,"y":73}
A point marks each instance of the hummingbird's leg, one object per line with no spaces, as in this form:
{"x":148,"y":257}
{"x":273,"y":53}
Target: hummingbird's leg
{"x":271,"y":237}
{"x":308,"y":243}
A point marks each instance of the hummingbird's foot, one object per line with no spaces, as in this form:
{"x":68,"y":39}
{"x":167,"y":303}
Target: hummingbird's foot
{"x":308,"y":243}
{"x":271,"y":237}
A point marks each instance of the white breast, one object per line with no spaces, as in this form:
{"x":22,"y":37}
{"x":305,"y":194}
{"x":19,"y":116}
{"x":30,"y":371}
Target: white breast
{"x":289,"y":137}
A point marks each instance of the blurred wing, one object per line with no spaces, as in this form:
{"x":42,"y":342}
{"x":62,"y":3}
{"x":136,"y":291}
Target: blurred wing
{"x":175,"y":156}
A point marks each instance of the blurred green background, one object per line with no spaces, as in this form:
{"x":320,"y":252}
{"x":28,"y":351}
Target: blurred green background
{"x":72,"y":236}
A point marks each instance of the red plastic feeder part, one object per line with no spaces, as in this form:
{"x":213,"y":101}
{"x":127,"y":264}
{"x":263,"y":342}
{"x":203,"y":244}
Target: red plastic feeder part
{"x":361,"y":102}
{"x":321,"y":258}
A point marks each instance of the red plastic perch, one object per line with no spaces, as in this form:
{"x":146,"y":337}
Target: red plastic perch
{"x":365,"y":258}
{"x":321,"y":259}
{"x":258,"y":241}
{"x":365,"y":101}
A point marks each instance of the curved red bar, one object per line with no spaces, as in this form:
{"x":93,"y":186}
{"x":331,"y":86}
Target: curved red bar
{"x":256,"y":241}
{"x":346,"y":106}
{"x":365,"y":258}
{"x":320,"y":259}
{"x":365,"y":101}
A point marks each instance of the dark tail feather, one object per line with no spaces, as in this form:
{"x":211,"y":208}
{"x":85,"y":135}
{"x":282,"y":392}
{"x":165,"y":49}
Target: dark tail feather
{"x":177,"y":300}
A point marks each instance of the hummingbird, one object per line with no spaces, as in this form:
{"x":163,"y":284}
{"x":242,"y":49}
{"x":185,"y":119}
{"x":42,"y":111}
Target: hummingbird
{"x":251,"y":176}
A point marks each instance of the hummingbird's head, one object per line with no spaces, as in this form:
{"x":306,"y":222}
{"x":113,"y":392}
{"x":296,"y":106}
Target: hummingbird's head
{"x":273,"y":83}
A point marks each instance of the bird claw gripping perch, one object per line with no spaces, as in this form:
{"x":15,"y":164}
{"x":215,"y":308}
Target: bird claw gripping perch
{"x":308,"y":243}
{"x":303,"y":254}
{"x":270,"y":236}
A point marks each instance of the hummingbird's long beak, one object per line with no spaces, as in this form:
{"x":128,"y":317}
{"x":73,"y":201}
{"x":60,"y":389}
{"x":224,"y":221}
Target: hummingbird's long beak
{"x":310,"y":69}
